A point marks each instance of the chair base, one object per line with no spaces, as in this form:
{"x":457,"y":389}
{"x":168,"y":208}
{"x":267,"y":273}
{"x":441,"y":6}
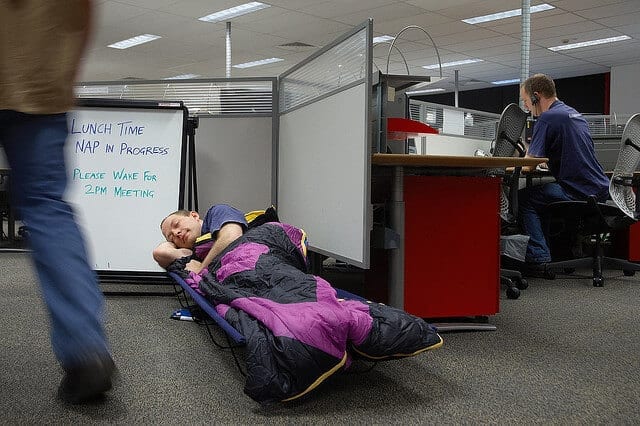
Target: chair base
{"x":513,"y":281}
{"x":597,"y":263}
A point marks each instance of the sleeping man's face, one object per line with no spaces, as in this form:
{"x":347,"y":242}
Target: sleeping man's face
{"x":182,"y":230}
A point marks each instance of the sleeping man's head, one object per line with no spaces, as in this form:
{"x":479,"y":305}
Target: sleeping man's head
{"x":181,"y":228}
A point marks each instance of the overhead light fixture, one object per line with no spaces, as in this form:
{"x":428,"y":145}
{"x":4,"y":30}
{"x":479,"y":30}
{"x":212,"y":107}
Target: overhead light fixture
{"x":134,"y":41}
{"x":258,"y":63}
{"x":380,"y":39}
{"x":513,"y":80}
{"x":589,"y":43}
{"x":234,"y":11}
{"x":452,"y":64}
{"x":182,"y":77}
{"x":425,"y":91}
{"x":507,"y":14}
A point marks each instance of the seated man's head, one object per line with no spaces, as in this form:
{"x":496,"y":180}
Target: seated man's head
{"x":181,"y":228}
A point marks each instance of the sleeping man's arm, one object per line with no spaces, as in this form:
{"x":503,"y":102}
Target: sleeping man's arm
{"x":226,"y":235}
{"x":166,"y":252}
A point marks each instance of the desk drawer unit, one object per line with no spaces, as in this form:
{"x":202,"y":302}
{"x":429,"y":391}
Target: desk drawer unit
{"x":452,"y":246}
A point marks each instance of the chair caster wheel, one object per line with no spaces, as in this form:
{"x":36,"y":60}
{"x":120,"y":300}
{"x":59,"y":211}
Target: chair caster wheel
{"x":628,"y":272}
{"x":598,"y":281}
{"x":522,"y":284}
{"x":513,"y":293}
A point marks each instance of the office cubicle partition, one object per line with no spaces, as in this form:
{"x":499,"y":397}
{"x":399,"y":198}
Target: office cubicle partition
{"x":606,"y":131}
{"x":301,"y":142}
{"x":324,"y":148}
{"x":234,"y":140}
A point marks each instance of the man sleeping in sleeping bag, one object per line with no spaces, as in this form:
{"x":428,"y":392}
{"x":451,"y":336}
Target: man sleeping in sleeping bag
{"x":297,"y":331}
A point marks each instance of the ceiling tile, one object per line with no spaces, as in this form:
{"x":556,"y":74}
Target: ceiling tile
{"x":425,"y":21}
{"x":336,"y":9}
{"x":620,"y":20}
{"x":457,"y":38}
{"x":112,"y":13}
{"x":432,"y":5}
{"x":500,"y":43}
{"x":611,"y":10}
{"x":389,"y":12}
{"x":630,"y":30}
{"x":575,"y":5}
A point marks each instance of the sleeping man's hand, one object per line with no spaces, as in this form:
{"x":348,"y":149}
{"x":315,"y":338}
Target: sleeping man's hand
{"x":194,"y":266}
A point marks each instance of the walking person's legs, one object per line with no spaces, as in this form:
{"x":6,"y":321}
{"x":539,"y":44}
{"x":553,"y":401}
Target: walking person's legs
{"x":34,"y":145}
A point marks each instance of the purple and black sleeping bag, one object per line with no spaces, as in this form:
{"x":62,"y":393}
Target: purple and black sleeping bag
{"x":297,"y":331}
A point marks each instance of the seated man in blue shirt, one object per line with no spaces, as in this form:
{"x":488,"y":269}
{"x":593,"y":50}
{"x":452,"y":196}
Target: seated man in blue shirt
{"x":182,"y":228}
{"x":562,"y":135}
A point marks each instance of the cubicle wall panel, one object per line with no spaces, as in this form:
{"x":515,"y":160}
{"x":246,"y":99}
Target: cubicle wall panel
{"x":335,"y":67}
{"x":233,"y":162}
{"x":452,"y":270}
{"x":324,"y":147}
{"x":323,"y":174}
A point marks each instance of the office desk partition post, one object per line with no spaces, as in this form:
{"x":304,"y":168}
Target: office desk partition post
{"x":397,"y":256}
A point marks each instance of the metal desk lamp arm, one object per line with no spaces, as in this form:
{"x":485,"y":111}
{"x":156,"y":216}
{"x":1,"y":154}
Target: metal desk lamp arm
{"x":417,"y":28}
{"x":406,"y":65}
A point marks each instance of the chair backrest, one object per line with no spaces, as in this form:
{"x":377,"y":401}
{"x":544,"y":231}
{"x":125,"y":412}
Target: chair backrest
{"x":510,"y":127}
{"x":627,"y":164}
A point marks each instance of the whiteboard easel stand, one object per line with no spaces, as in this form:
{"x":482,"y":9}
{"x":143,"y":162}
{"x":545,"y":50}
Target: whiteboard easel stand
{"x":192,"y":190}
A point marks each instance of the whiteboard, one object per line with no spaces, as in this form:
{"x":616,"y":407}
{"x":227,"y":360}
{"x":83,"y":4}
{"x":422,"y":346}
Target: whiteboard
{"x":323,"y":174}
{"x":125,"y":174}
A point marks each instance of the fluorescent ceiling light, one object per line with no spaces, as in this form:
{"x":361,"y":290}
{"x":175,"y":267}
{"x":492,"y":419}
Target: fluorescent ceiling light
{"x":507,"y":14}
{"x":425,"y":91}
{"x":452,"y":64}
{"x":234,"y":11}
{"x":513,"y":80}
{"x":134,"y":41}
{"x":257,"y":63}
{"x":380,"y":39}
{"x":182,"y":76}
{"x":589,"y":43}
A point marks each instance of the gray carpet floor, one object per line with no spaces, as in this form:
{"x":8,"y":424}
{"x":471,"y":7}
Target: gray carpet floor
{"x":563,"y":353}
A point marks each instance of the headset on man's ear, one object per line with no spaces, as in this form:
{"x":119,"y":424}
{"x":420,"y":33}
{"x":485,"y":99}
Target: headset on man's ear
{"x":534,"y":99}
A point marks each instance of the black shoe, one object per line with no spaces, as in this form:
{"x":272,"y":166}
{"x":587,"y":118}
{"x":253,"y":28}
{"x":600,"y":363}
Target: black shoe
{"x":88,"y":381}
{"x":536,"y":270}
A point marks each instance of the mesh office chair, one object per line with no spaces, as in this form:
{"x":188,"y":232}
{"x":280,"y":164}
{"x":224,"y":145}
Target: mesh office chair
{"x":598,"y":219}
{"x":507,"y":143}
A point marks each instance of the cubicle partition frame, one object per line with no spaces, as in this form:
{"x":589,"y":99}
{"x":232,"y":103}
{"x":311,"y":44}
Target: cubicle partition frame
{"x":331,"y":203}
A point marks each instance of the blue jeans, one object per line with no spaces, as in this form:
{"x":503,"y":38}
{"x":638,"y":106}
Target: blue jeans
{"x":34,"y":146}
{"x":531,"y":201}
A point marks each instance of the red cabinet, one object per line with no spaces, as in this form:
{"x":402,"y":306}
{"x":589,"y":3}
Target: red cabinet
{"x":452,"y":246}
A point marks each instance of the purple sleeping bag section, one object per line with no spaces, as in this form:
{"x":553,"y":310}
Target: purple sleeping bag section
{"x":297,"y":330}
